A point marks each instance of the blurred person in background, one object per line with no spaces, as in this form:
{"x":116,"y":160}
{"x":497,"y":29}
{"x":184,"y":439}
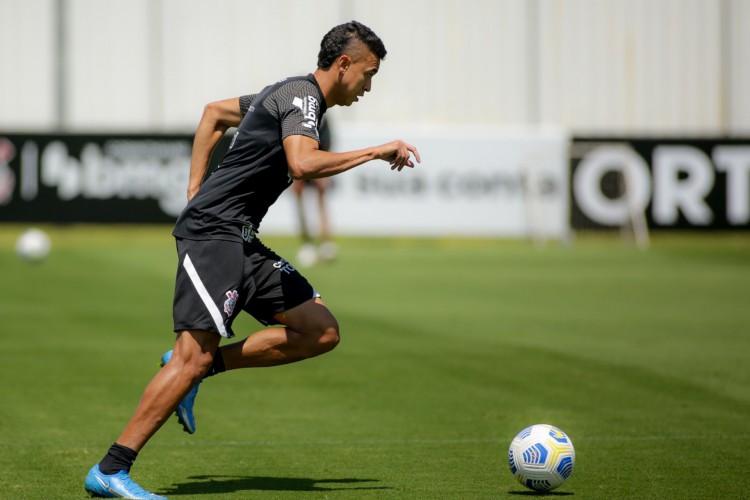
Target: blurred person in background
{"x":326,"y":251}
{"x":223,"y":267}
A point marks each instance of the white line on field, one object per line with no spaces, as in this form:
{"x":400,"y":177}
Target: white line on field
{"x":346,"y":442}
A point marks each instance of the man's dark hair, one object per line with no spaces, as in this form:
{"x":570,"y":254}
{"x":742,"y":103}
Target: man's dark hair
{"x":336,"y":41}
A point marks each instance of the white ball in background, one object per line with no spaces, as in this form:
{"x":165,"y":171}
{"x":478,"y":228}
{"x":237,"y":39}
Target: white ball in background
{"x":307,"y":255}
{"x":33,"y":245}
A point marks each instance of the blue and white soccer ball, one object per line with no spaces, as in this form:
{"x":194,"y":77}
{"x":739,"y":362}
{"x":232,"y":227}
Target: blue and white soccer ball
{"x":33,"y":245}
{"x":541,"y":457}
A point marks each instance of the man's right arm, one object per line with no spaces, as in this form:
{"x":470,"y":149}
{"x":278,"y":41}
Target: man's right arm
{"x":217,"y":118}
{"x":307,"y":161}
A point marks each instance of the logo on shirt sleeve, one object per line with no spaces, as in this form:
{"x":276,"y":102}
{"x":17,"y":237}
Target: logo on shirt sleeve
{"x":309,"y":107}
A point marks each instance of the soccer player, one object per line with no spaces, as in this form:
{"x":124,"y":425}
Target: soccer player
{"x":223,"y":268}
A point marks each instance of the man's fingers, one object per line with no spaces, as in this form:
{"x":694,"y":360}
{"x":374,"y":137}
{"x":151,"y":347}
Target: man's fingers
{"x":416,"y":155}
{"x":401,"y":156}
{"x":400,"y":167}
{"x":413,"y":151}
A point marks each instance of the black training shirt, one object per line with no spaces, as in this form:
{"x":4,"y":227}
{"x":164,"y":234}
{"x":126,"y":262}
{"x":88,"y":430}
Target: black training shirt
{"x":254,"y":172}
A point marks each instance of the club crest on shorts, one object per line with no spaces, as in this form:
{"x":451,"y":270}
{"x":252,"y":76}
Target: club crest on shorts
{"x":231,"y":301}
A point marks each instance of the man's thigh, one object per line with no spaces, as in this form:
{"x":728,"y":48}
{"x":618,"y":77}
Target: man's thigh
{"x":279,"y":287}
{"x":311,"y":316}
{"x":211,"y":285}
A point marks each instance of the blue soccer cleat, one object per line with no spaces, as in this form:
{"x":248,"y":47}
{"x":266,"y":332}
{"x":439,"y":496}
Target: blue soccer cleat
{"x":117,"y":485}
{"x":184,"y":410}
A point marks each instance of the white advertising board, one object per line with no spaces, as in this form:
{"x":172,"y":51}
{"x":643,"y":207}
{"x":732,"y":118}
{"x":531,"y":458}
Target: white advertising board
{"x":473,"y":181}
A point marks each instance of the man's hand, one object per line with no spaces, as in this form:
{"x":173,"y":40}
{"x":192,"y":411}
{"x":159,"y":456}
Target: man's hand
{"x":398,"y":154}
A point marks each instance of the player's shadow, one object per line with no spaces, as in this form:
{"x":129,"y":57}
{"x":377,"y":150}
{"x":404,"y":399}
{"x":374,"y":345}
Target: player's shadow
{"x":211,"y":484}
{"x":541,"y":493}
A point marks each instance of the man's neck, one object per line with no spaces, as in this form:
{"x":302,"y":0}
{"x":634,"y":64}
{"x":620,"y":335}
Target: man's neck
{"x":326,"y":82}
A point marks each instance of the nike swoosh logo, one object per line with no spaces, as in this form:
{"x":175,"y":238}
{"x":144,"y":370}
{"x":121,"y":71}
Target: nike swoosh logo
{"x":103,"y":484}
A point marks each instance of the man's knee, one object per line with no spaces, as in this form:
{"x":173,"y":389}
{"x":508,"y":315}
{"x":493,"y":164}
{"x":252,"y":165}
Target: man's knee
{"x":193,"y":354}
{"x":314,"y":327}
{"x":330,"y":336}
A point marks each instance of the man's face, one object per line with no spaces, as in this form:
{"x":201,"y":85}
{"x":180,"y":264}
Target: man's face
{"x":358,"y":77}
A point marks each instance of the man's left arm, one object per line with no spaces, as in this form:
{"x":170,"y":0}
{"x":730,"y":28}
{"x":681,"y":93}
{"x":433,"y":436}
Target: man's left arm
{"x":217,"y":118}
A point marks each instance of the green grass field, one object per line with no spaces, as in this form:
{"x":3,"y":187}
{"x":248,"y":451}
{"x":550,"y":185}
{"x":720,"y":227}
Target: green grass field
{"x":449,"y":348}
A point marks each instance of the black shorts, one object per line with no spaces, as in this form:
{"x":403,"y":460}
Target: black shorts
{"x":217,"y":279}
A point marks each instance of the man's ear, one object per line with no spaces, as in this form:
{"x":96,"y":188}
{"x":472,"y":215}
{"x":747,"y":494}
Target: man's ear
{"x":344,"y":63}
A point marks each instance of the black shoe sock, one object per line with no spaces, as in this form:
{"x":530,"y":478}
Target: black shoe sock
{"x":118,"y":458}
{"x":217,"y":366}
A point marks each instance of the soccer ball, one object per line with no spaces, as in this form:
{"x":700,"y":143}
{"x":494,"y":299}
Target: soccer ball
{"x":541,"y":457}
{"x":33,"y":245}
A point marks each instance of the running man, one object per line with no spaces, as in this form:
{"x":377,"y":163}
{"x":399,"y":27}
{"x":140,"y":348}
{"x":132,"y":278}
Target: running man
{"x":223,"y":268}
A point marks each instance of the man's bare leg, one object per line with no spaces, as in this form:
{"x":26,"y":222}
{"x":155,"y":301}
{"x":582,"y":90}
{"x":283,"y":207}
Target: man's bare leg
{"x":310,"y":330}
{"x":193,"y":355}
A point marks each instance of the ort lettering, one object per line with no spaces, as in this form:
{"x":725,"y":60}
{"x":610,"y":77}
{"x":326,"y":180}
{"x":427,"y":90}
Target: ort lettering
{"x":682,"y":178}
{"x":735,"y":161}
{"x":672,"y":194}
{"x":588,"y":179}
